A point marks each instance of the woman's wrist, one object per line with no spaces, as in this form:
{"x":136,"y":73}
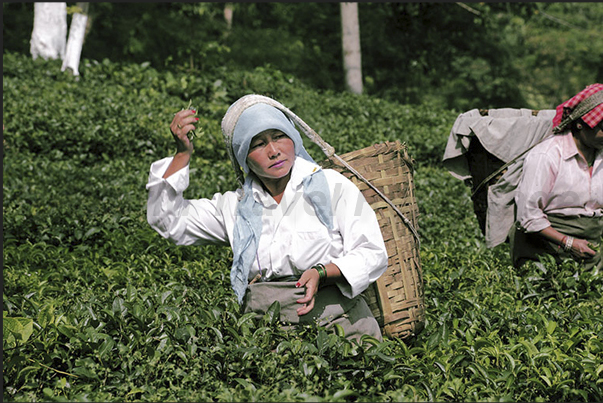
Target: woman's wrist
{"x":322,"y":273}
{"x":568,"y":243}
{"x":562,"y":242}
{"x":179,"y":161}
{"x":183,"y":155}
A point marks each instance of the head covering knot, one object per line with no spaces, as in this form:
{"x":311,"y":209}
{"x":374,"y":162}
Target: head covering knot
{"x":587,"y":104}
{"x":244,"y":119}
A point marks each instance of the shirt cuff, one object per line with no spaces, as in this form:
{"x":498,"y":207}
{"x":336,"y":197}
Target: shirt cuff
{"x":179,"y":180}
{"x":352,"y":271}
{"x":536,"y":225}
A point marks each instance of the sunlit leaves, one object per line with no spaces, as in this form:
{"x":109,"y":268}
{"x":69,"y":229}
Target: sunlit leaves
{"x":15,"y":331}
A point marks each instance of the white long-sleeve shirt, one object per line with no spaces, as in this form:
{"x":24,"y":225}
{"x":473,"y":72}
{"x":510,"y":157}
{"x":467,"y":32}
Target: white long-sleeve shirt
{"x":292,"y":239}
{"x":557,"y":180}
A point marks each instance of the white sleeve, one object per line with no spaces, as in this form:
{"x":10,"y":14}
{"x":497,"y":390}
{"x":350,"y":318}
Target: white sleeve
{"x":185,"y":222}
{"x":364,"y":257}
{"x":533,"y":192}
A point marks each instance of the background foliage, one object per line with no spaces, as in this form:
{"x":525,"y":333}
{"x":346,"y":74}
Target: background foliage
{"x":454,"y":55}
{"x":98,"y":307}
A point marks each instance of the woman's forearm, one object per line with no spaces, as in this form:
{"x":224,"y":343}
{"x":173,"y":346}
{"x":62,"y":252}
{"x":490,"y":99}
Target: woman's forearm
{"x":576,"y":246}
{"x":180,"y":161}
{"x":552,"y":235}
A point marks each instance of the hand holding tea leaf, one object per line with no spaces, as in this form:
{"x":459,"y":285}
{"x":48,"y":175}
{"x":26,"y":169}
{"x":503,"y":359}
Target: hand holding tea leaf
{"x":583,"y":249}
{"x":183,"y":129}
{"x":192,"y":133}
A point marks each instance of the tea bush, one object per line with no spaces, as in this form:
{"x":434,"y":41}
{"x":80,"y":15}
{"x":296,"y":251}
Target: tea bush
{"x":98,"y":307}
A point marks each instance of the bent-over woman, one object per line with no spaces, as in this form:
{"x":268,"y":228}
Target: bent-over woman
{"x":560,"y":196}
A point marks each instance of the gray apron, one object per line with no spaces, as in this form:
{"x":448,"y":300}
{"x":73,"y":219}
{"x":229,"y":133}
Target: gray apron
{"x":331,"y":307}
{"x":529,"y":246}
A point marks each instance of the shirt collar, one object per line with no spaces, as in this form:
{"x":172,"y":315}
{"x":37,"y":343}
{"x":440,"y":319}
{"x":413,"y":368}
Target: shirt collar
{"x":569,"y":149}
{"x":301,"y":169}
{"x":568,"y":146}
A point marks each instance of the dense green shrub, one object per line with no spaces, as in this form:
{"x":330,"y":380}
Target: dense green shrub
{"x":98,"y":307}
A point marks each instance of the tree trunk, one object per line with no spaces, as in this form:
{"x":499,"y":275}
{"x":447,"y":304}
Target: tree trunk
{"x":228,"y":11}
{"x":350,"y":37}
{"x":48,"y":37}
{"x":77,"y":32}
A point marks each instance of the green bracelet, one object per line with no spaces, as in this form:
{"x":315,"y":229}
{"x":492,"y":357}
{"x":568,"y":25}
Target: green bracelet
{"x":322,"y":272}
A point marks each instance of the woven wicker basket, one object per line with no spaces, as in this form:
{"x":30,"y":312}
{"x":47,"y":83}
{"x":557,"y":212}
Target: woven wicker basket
{"x":397,"y":298}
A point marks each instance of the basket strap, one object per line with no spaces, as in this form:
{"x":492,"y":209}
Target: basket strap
{"x":384,"y":197}
{"x":330,"y":153}
{"x":502,"y":168}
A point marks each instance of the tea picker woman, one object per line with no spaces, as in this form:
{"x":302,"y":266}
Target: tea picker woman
{"x":300,"y":235}
{"x":560,"y":195}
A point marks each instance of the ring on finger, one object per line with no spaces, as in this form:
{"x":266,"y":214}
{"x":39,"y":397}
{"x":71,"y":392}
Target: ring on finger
{"x":179,"y":127}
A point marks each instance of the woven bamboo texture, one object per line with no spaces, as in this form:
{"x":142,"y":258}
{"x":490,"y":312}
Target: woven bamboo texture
{"x":397,"y":297}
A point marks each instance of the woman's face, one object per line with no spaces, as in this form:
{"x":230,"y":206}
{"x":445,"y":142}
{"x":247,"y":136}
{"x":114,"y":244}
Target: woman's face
{"x":592,"y":138}
{"x":271,"y":154}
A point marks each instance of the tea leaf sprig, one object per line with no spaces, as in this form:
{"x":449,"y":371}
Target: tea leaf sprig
{"x":192,"y":134}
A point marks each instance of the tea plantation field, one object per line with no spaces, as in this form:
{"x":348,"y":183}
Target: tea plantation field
{"x":98,"y":307}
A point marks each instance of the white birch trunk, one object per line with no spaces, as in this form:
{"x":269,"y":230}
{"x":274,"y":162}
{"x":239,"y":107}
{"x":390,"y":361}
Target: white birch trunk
{"x":77,"y":32}
{"x":49,"y":34}
{"x":350,"y":36}
{"x":228,"y":11}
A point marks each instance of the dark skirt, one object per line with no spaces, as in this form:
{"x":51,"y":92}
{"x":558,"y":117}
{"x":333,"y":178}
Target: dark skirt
{"x":330,"y":307}
{"x":530,"y":246}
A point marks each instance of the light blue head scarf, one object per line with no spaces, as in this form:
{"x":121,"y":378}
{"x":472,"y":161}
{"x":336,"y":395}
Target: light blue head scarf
{"x":248,"y":223}
{"x":256,"y":119}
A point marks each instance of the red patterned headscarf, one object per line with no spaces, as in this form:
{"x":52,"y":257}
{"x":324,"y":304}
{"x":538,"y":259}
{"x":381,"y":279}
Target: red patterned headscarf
{"x":587,"y":104}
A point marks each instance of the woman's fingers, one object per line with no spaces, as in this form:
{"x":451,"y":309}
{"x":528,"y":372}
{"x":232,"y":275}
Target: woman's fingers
{"x":310,"y":291}
{"x":304,"y":309}
{"x":187,"y":123}
{"x":581,"y":249}
{"x":181,"y":125}
{"x":310,"y":281}
{"x":183,"y":122}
